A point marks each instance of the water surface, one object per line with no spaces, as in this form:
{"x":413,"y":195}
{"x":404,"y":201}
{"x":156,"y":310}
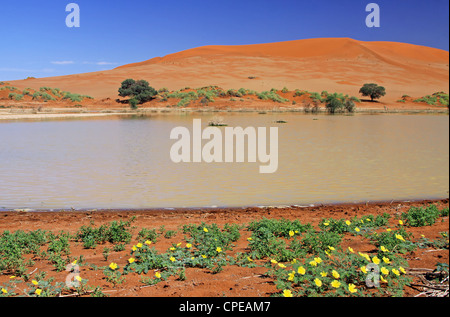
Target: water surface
{"x":124,"y":162}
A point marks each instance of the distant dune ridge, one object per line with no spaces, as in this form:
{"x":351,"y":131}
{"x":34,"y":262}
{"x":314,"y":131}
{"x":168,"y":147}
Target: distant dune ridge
{"x":331,"y":64}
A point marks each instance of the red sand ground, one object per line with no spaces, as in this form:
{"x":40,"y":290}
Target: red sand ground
{"x":233,"y":281}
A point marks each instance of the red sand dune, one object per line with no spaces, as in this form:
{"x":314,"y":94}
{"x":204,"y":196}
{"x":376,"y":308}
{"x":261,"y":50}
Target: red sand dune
{"x":335,"y":65}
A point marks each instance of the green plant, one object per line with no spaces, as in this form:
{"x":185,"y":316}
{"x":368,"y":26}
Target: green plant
{"x":373,"y":91}
{"x":419,"y":216}
{"x":133,"y":103}
{"x":139,"y":90}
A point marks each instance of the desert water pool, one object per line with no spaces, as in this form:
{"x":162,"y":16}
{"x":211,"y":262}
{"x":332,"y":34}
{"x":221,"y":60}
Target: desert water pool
{"x":124,"y":162}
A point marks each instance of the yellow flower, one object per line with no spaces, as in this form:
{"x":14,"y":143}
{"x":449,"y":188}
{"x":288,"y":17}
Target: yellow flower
{"x":384,"y":270}
{"x":357,"y":229}
{"x":148,"y":242}
{"x":351,"y":250}
{"x":131,"y":260}
{"x":364,"y":269}
{"x":382,"y":248}
{"x":402,"y":270}
{"x":219,"y":249}
{"x":326,"y":223}
{"x":327,"y":253}
{"x":335,"y":274}
{"x":291,"y":233}
{"x":383,"y":279}
{"x":365,"y":255}
{"x":172,"y":249}
{"x":331,"y":248}
{"x":291,"y":276}
{"x":204,"y":256}
{"x":294,"y":261}
{"x":352,"y":288}
{"x":398,"y":236}
{"x":4,"y":291}
{"x":318,"y":260}
{"x":205,"y":230}
{"x":386,"y":260}
{"x":396,"y":272}
{"x":368,"y":220}
{"x":78,"y":278}
{"x":139,"y":245}
{"x":335,"y":284}
{"x":34,"y":282}
{"x":38,"y":292}
{"x":400,"y":223}
{"x":273,"y":261}
{"x":12,"y":276}
{"x":318,"y":282}
{"x":74,"y":262}
{"x":249,"y":239}
{"x":158,"y":275}
{"x":287,"y":293}
{"x":313,"y":263}
{"x":301,"y":270}
{"x":249,"y":259}
{"x":188,"y":245}
{"x":348,"y":222}
{"x":376,"y":260}
{"x":172,"y":259}
{"x":323,"y":274}
{"x":134,"y":248}
{"x":388,"y":229}
{"x":113,"y":266}
{"x":178,"y":244}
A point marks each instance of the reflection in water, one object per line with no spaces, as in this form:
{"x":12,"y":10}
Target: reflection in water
{"x":99,"y":163}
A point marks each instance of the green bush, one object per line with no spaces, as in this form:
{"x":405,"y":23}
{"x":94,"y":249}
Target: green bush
{"x":16,"y":97}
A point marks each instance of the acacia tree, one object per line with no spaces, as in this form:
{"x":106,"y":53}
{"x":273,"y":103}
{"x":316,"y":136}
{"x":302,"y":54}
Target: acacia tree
{"x":373,"y":91}
{"x":139,"y":91}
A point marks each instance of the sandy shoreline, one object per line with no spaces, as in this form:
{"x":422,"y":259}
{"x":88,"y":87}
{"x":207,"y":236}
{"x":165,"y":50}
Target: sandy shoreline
{"x":66,"y":114}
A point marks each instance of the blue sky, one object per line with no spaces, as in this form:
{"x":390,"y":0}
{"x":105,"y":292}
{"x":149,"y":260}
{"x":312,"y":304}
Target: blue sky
{"x":36,"y":41}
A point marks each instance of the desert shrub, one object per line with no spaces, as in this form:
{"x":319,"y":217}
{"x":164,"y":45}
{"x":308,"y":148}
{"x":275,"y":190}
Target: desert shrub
{"x":419,"y":216}
{"x":271,"y":95}
{"x":349,"y":105}
{"x":299,"y":93}
{"x":334,"y":103}
{"x":15,"y":96}
{"x":429,"y":100}
{"x":73,"y":97}
{"x":43,"y":96}
{"x":337,"y":102}
{"x":234,"y":93}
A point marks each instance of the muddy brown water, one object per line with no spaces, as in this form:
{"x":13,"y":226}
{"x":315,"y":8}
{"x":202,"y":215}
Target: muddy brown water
{"x":124,"y":162}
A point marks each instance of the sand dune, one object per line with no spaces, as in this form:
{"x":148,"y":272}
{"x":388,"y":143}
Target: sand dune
{"x":337,"y":64}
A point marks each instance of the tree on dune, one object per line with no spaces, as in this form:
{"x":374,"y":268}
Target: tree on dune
{"x":373,"y":91}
